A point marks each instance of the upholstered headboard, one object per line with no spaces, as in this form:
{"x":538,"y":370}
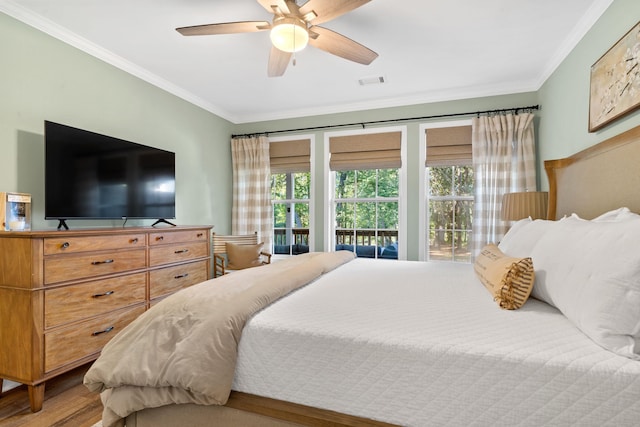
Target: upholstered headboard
{"x":601,"y":178}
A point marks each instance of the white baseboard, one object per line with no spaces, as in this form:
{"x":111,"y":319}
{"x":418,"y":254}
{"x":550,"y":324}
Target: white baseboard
{"x":8,"y":385}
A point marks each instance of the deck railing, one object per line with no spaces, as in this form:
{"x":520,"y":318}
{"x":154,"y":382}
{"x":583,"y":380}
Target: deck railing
{"x":298,"y":236}
{"x":366,"y":237}
{"x":365,"y":242}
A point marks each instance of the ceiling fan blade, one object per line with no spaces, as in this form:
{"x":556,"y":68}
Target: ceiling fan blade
{"x":278,"y":62}
{"x":224,"y":28}
{"x":278,"y":7}
{"x":326,"y":10}
{"x":342,"y":46}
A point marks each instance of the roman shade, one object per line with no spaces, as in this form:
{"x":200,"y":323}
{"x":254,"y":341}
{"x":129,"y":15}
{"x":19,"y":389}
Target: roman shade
{"x":449,"y":146}
{"x":365,"y":151}
{"x":290,"y":156}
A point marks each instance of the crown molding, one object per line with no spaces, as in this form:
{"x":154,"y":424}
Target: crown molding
{"x":40,"y":23}
{"x":577,"y":33}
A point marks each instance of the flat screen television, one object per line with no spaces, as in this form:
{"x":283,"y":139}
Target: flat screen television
{"x":94,"y":176}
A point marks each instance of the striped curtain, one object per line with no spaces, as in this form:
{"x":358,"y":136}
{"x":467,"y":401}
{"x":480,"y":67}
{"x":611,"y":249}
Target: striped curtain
{"x":504,"y":162}
{"x":252,"y":209}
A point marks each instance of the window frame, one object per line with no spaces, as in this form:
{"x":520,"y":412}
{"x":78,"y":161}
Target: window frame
{"x":329,"y":188}
{"x":423,"y":219}
{"x":311,"y":201}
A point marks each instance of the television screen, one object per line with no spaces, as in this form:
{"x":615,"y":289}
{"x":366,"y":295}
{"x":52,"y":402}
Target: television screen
{"x":93,"y":176}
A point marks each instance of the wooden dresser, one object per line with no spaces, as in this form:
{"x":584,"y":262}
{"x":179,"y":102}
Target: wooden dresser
{"x":64,"y":294}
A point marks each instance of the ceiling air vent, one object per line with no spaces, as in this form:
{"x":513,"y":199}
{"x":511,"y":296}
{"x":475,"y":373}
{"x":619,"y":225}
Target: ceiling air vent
{"x":372,"y":80}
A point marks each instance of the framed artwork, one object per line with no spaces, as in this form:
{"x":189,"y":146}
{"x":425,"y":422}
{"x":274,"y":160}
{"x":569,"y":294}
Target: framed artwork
{"x":615,"y":81}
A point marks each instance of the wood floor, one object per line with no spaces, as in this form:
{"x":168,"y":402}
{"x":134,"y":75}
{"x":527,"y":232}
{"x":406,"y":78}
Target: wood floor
{"x":67,"y":403}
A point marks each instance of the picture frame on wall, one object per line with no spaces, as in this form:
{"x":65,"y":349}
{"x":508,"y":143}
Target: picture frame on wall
{"x":615,"y":81}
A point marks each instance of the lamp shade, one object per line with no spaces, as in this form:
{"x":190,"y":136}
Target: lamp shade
{"x":289,"y":34}
{"x":516,"y":206}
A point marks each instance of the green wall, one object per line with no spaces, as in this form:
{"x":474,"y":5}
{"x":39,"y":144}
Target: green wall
{"x":42,"y":78}
{"x":564,"y":97}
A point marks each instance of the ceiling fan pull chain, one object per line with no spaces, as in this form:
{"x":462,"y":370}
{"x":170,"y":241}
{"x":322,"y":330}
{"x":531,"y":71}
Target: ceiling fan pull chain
{"x":294,"y":46}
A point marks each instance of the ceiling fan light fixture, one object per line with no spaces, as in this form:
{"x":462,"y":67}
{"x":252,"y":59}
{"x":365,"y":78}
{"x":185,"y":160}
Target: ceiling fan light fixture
{"x":289,"y":34}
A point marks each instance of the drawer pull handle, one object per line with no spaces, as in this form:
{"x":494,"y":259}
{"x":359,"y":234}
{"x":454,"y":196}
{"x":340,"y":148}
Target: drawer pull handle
{"x":134,"y":240}
{"x":65,"y":245}
{"x":181,"y":276}
{"x":109,"y":329}
{"x":181,"y":251}
{"x":160,"y":238}
{"x":200,"y":234}
{"x":102,"y":295}
{"x":106,"y":261}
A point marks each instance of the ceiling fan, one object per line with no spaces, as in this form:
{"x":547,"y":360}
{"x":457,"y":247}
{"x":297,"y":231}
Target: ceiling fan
{"x":292,"y":28}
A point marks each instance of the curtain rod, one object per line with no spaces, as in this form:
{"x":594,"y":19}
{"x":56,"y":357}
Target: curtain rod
{"x":406,"y":119}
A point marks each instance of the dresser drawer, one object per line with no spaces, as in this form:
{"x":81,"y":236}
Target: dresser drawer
{"x":77,"y":302}
{"x":68,"y":344}
{"x":168,"y":237}
{"x":167,"y":254}
{"x":171,"y":279}
{"x":63,"y":268}
{"x":69,"y":245}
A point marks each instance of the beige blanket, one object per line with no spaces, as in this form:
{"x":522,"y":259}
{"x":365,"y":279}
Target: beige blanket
{"x":184,"y":349}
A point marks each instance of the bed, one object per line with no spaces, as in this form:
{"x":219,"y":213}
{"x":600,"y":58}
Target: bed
{"x":423,"y":344}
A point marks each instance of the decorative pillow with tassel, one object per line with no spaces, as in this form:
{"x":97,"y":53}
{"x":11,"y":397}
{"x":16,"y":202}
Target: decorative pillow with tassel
{"x":508,"y":279}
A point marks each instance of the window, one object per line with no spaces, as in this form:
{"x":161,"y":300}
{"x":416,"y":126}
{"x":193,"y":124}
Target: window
{"x":366,"y":211}
{"x":450,"y":212}
{"x":450,"y":193}
{"x":290,"y":195}
{"x":290,"y":198}
{"x":366,"y":188}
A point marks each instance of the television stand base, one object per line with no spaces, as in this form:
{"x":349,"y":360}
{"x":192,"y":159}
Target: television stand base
{"x":162,"y":220}
{"x":62,"y":224}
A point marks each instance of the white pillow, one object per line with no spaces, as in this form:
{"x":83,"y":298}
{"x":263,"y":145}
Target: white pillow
{"x":523,"y":236}
{"x":590,"y":270}
{"x":619,"y":214}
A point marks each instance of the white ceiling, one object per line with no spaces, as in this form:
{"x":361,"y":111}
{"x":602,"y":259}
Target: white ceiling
{"x":428,"y":50}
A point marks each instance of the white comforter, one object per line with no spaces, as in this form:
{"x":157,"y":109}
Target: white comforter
{"x":423,"y":344}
